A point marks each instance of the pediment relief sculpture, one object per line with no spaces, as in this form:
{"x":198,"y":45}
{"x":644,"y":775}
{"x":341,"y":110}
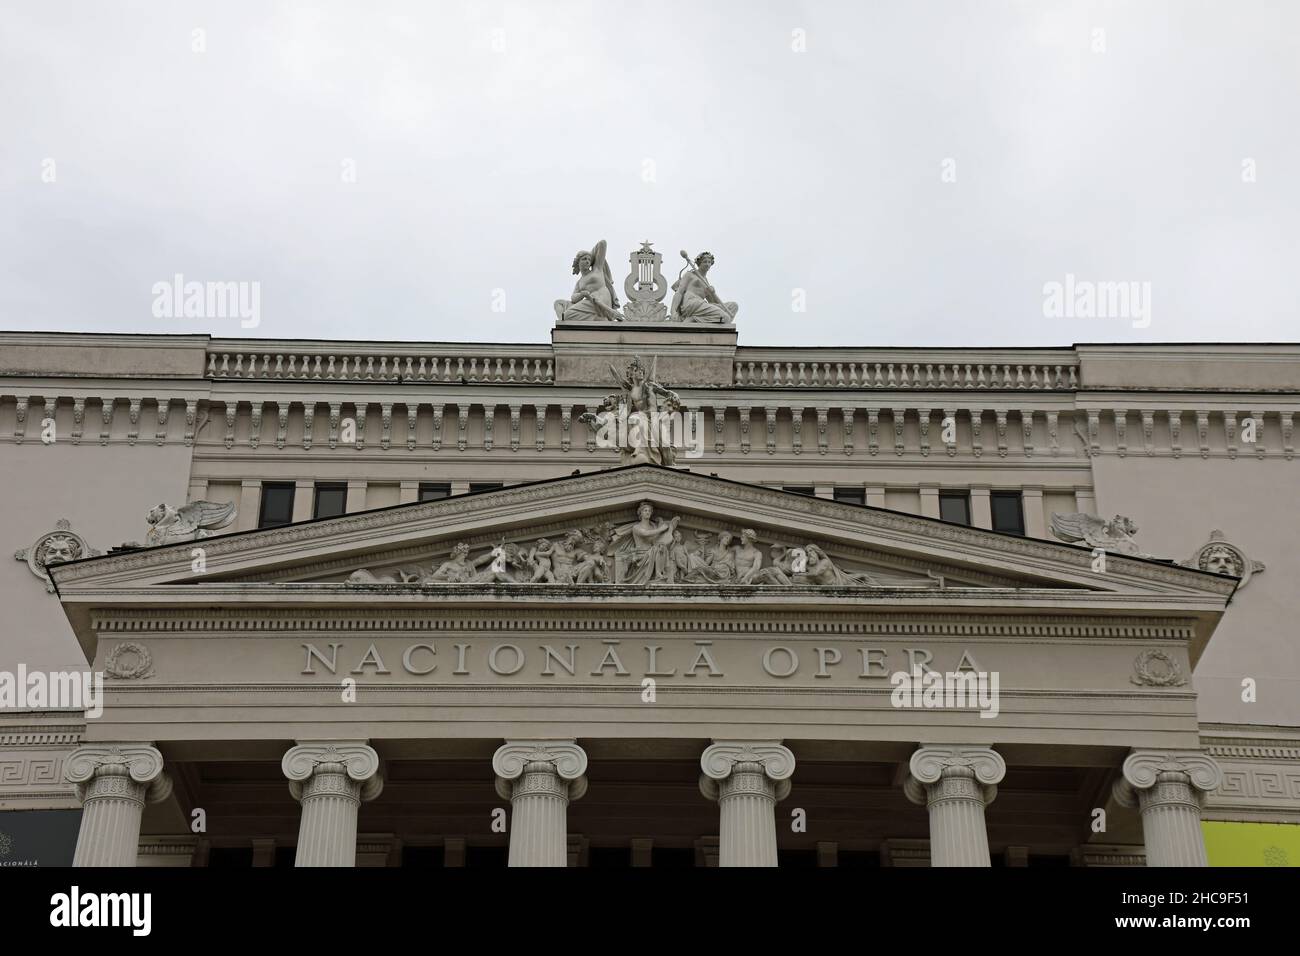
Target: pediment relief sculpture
{"x":1114,"y":536}
{"x":61,"y":544}
{"x":1220,"y":556}
{"x":649,"y":551}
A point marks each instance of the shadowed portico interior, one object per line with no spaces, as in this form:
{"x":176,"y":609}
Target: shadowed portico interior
{"x":643,"y":807}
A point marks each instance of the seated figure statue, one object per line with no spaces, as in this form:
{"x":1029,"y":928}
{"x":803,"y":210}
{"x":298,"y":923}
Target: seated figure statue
{"x":593,"y":296}
{"x":695,"y":299}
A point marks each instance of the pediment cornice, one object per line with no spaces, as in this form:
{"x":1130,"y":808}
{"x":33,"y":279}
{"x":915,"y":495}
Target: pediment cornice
{"x":580,"y":498}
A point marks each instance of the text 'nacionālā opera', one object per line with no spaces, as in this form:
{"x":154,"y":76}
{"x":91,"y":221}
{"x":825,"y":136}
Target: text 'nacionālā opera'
{"x":643,"y":596}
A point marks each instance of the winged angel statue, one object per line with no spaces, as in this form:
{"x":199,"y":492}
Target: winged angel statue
{"x":1114,"y":536}
{"x":593,"y":296}
{"x":198,"y":519}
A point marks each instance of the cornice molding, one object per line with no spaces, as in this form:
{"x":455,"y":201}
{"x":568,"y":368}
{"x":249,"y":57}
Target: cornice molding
{"x":505,"y":505}
{"x":851,"y":622}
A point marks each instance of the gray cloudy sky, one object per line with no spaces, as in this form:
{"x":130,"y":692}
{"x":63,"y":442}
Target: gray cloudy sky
{"x":492,"y":140}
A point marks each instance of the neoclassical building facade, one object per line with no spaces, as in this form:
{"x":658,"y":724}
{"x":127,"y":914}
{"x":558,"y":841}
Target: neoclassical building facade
{"x":389,"y":604}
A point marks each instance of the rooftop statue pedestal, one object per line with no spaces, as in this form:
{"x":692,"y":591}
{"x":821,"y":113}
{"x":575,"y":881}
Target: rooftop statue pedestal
{"x":688,"y":353}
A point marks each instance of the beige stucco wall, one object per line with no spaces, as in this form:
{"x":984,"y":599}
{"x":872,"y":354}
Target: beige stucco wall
{"x":1178,"y":502}
{"x":104,"y":491}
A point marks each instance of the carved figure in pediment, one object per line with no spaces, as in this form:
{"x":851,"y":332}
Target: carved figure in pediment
{"x":1114,"y":536}
{"x":821,"y":570}
{"x":749,"y":560}
{"x":541,"y":559}
{"x":715,"y":565}
{"x":679,"y":560}
{"x":641,"y":548}
{"x":198,"y":519}
{"x":591,"y":563}
{"x":399,"y":576}
{"x":779,"y":572}
{"x":503,"y":559}
{"x":458,"y":568}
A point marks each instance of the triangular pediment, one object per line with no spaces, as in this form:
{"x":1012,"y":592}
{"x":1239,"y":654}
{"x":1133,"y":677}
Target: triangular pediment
{"x":584,"y":531}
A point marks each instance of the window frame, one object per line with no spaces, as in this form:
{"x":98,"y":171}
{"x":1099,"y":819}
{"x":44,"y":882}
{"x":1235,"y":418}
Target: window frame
{"x":264,"y":497}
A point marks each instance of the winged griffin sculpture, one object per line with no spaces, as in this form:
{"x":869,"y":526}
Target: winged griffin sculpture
{"x":198,"y":519}
{"x":1114,"y":536}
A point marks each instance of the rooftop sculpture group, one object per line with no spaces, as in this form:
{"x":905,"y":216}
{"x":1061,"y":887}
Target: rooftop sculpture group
{"x":594,"y":299}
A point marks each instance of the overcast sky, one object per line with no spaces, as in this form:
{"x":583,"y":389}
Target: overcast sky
{"x":809,"y":146}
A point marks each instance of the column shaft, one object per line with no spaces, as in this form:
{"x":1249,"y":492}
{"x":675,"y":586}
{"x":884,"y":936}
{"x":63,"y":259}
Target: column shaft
{"x":748,"y":779}
{"x":327,"y":831}
{"x":956,"y":783}
{"x":110,"y":822}
{"x":330,"y":779}
{"x":540,"y":777}
{"x":1169,"y":786}
{"x":114,"y":782}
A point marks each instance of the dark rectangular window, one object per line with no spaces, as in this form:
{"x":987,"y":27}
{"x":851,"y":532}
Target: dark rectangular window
{"x":331,"y":500}
{"x":1008,"y":515}
{"x":851,"y":496}
{"x":432,"y":491}
{"x":799,"y":490}
{"x":277,"y":505}
{"x":954,"y":506}
{"x":484,"y":486}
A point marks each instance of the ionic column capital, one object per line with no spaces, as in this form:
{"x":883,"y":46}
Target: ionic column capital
{"x":1185,"y":774}
{"x":131,"y":771}
{"x":308,"y":764}
{"x":934,"y":768}
{"x":563,"y":760}
{"x":766,"y":758}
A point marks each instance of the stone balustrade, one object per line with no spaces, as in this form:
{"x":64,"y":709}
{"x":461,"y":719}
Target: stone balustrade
{"x":365,"y":363}
{"x":815,"y":372}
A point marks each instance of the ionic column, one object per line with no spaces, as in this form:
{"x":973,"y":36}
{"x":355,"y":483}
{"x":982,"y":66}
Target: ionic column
{"x":330,"y":778}
{"x":955,"y":783}
{"x":539,"y":778}
{"x":114,"y":782}
{"x":1170,"y":787}
{"x":747,"y":778}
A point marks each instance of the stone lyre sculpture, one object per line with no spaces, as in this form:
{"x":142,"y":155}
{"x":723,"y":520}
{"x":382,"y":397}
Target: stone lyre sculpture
{"x":593,"y":296}
{"x":695,"y":299}
{"x":645,"y":286}
{"x":640,"y":419}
